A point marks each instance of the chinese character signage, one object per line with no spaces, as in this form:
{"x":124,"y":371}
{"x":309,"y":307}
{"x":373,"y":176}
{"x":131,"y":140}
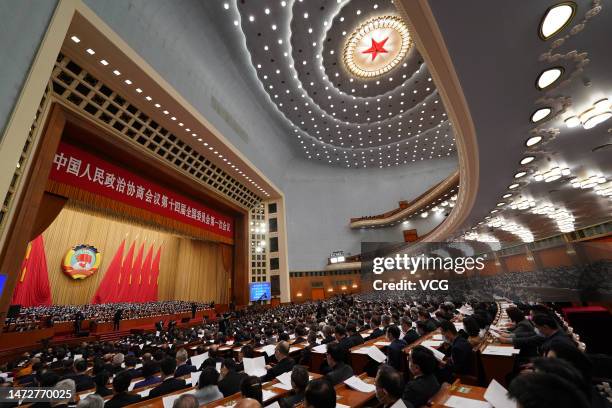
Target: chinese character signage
{"x":83,"y":170}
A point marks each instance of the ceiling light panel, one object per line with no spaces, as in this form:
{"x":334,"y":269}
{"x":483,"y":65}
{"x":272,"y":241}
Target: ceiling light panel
{"x":334,"y":116}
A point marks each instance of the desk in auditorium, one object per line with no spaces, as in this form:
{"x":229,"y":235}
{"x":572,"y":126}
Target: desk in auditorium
{"x":475,"y":393}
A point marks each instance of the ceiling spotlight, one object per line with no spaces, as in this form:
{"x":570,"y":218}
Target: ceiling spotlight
{"x":226,"y":6}
{"x":90,"y":51}
{"x":507,"y":195}
{"x":548,"y":77}
{"x":533,"y":141}
{"x":520,"y":174}
{"x":513,"y":186}
{"x":572,"y":121}
{"x":75,"y":39}
{"x":424,"y":214}
{"x":104,"y":62}
{"x":251,"y":18}
{"x":527,"y":160}
{"x":556,"y":18}
{"x":540,"y":114}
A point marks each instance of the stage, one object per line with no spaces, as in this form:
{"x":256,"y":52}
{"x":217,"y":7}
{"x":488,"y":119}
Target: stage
{"x":14,"y":343}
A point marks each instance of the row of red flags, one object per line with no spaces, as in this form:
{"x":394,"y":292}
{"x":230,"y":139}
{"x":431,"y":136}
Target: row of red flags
{"x":127,"y":279}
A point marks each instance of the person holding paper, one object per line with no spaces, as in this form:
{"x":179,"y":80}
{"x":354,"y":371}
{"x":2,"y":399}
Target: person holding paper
{"x":424,"y":385}
{"x":207,"y":389}
{"x":169,"y":383}
{"x":182,"y":368}
{"x":340,"y":371}
{"x":284,"y":362}
{"x":122,"y":397}
{"x":389,"y":388}
{"x":299,"y":381}
{"x":230,"y":379}
{"x":395,"y":349}
{"x":460,"y":361}
{"x":320,"y":393}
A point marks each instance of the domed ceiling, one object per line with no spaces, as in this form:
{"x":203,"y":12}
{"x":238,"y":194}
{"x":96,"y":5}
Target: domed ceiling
{"x":345,"y":77}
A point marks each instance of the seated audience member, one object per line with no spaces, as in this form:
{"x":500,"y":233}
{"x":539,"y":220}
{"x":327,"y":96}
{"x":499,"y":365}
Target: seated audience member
{"x":572,"y":355}
{"x":409,"y":334}
{"x":424,"y":385}
{"x":101,"y":381}
{"x":389,"y":387}
{"x":169,"y":383}
{"x":342,"y":339}
{"x":395,"y":350}
{"x":68,"y":385}
{"x":471,"y":328}
{"x":246,"y":351}
{"x":247,"y":403}
{"x":213,"y":358}
{"x":250,"y":387}
{"x":117,"y":363}
{"x":299,"y":381}
{"x":340,"y":371}
{"x":320,"y":393}
{"x":354,"y":337}
{"x":522,"y":328}
{"x":91,"y":401}
{"x":186,"y":401}
{"x":430,"y":324}
{"x":82,"y":380}
{"x":148,"y":372}
{"x":230,"y":379}
{"x":538,"y":390}
{"x":300,"y":334}
{"x":460,"y":360}
{"x":327,"y":334}
{"x":207,"y":389}
{"x":284,"y":362}
{"x":182,"y":368}
{"x":130,"y":366}
{"x":564,"y":370}
{"x":546,"y":331}
{"x":122,"y":397}
{"x":376,"y":330}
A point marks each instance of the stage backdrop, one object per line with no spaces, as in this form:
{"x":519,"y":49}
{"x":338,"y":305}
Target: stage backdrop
{"x":189,"y":269}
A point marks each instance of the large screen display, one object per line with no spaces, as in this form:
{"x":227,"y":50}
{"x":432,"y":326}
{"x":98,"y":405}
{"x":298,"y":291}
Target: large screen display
{"x":259,"y":291}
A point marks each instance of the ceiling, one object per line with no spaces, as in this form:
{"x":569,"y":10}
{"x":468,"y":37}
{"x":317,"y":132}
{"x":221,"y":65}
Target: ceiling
{"x":295,"y":49}
{"x":498,"y":73}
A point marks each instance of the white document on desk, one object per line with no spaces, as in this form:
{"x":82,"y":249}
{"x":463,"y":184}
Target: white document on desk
{"x":294,"y":349}
{"x":273,"y":405}
{"x":267,"y":394}
{"x":432,"y":343}
{"x":497,"y":396}
{"x":358,"y":384}
{"x":144,"y":393}
{"x":437,"y":354}
{"x":320,"y":349}
{"x":268,"y":349}
{"x":195,"y":378}
{"x":255,"y":366}
{"x":437,"y":337}
{"x":198,"y":360}
{"x":283,"y":386}
{"x":460,"y":402}
{"x":382,"y":343}
{"x":500,"y":351}
{"x":285,"y":378}
{"x":375,"y":354}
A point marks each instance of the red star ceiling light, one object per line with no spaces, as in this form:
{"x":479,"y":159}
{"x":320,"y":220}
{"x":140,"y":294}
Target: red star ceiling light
{"x":377,"y":46}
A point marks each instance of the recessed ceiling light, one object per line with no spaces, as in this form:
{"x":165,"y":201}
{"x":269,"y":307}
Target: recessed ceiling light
{"x":549,"y":77}
{"x":226,"y":6}
{"x":507,"y":195}
{"x":540,"y":114}
{"x":533,"y":141}
{"x":138,"y":90}
{"x":116,"y":72}
{"x":148,"y":98}
{"x":520,"y":174}
{"x":251,"y":18}
{"x":595,"y":119}
{"x":104,"y":62}
{"x":75,"y":39}
{"x":90,"y":51}
{"x":572,"y":121}
{"x":527,"y":160}
{"x":513,"y":186}
{"x":127,"y":81}
{"x":556,"y":18}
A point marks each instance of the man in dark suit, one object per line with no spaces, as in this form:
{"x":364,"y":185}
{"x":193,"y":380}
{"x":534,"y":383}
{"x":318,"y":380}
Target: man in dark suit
{"x":194,"y":308}
{"x":284,"y":362}
{"x":130,"y":366}
{"x":182,"y":367}
{"x":460,"y":361}
{"x":424,"y":384}
{"x":230,"y":380}
{"x":354,"y":337}
{"x":169,"y":383}
{"x":395,"y":350}
{"x":340,"y":371}
{"x":546,"y":331}
{"x":389,"y":387}
{"x":430,"y":323}
{"x":117,"y":319}
{"x":343,"y":341}
{"x":300,"y":334}
{"x":327,"y":335}
{"x":122,"y":397}
{"x":410,"y":335}
{"x":376,"y":330}
{"x":299,"y":381}
{"x":78,"y":321}
{"x":81,"y":380}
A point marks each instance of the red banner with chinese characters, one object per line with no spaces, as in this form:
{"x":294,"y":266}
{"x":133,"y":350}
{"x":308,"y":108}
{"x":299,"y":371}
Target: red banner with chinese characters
{"x":78,"y":168}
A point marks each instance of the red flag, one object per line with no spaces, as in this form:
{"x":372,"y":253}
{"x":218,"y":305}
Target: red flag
{"x":106,"y":289}
{"x":155,"y":276}
{"x":32,"y":288}
{"x":131,"y":292}
{"x":143,"y":278}
{"x":124,"y":276}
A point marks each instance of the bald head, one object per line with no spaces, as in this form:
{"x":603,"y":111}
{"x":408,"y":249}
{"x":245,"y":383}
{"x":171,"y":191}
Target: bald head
{"x":247,"y":403}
